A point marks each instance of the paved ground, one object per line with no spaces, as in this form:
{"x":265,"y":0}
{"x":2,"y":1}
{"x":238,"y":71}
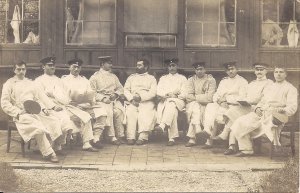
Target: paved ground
{"x":153,"y":156}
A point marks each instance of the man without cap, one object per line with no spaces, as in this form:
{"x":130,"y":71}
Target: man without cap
{"x":277,"y":104}
{"x":108,"y":92}
{"x":200,"y":90}
{"x":140,"y":90}
{"x":83,"y":97}
{"x":230,"y":89}
{"x":254,"y":92}
{"x":15,"y":92}
{"x":57,"y":92}
{"x":171,"y":95}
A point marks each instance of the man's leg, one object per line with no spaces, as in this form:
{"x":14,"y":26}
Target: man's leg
{"x":169,"y":118}
{"x":132,"y":118}
{"x":118,"y":123}
{"x":45,"y":147}
{"x":194,"y":112}
{"x":87,"y":136}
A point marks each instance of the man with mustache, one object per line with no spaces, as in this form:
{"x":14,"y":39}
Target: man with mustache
{"x":254,"y":92}
{"x":230,"y":89}
{"x":15,"y":91}
{"x":140,"y":90}
{"x":200,"y":90}
{"x":83,"y":97}
{"x":57,"y":93}
{"x":277,"y":104}
{"x":109,"y":91}
{"x":170,"y":93}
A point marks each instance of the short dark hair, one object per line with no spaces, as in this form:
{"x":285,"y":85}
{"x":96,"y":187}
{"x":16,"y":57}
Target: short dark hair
{"x":146,"y":63}
{"x":19,"y":63}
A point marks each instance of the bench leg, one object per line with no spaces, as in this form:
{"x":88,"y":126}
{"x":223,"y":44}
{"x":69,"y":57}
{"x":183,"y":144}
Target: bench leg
{"x":23,"y":147}
{"x":8,"y":139}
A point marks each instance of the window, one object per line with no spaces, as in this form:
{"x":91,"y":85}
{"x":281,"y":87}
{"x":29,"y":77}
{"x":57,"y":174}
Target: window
{"x":280,"y":23}
{"x":150,"y":23}
{"x":19,"y":21}
{"x":90,"y":22}
{"x":210,"y":23}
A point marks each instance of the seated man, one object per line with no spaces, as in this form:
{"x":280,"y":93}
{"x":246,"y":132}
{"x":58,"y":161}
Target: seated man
{"x":269,"y":116}
{"x":15,"y":91}
{"x":140,"y":90}
{"x":56,"y":91}
{"x":109,"y":91}
{"x":83,"y":97}
{"x":200,"y":90}
{"x":170,"y":93}
{"x":254,"y":93}
{"x":230,"y":89}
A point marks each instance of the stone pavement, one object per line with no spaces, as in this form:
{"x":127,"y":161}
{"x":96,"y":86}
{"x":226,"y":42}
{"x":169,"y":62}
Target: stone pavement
{"x":153,"y":156}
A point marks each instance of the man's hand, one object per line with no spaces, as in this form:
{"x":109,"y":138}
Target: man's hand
{"x":259,"y":112}
{"x":280,"y":110}
{"x":46,"y":112}
{"x":137,"y":97}
{"x":224,"y":105}
{"x":57,"y":108}
{"x":113,"y":97}
{"x":106,"y":100}
{"x":135,"y":103}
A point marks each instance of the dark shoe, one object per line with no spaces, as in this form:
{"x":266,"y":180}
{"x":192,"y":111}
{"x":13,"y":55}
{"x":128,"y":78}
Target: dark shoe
{"x":190,"y":144}
{"x":229,"y":152}
{"x":90,"y":149}
{"x":241,"y":154}
{"x":202,"y":136}
{"x":217,"y":138}
{"x":171,"y":143}
{"x":116,"y":142}
{"x":130,"y":142}
{"x":122,"y":140}
{"x":52,"y":158}
{"x":97,"y":145}
{"x":207,"y":146}
{"x":60,"y":152}
{"x":158,"y":129}
{"x":141,"y":142}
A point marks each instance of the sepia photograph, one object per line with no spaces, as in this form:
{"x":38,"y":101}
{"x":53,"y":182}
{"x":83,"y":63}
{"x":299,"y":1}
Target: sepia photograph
{"x":149,"y":95}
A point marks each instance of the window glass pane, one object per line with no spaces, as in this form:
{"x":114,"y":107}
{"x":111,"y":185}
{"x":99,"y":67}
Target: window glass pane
{"x":90,"y":33}
{"x":227,"y":11}
{"x":2,"y":31}
{"x":31,"y":9}
{"x":98,"y":27}
{"x":280,"y":25}
{"x":211,"y":10}
{"x":194,"y":10}
{"x":227,"y":34}
{"x":3,"y":6}
{"x":194,"y":33}
{"x":107,"y":10}
{"x":31,"y":29}
{"x":210,"y":33}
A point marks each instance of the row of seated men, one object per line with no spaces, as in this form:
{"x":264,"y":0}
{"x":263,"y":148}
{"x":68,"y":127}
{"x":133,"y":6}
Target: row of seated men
{"x":74,"y":104}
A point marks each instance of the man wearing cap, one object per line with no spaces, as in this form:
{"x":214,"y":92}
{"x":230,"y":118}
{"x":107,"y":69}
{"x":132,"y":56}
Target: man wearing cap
{"x":58,"y":93}
{"x":254,"y":92}
{"x":15,"y":92}
{"x":140,"y":91}
{"x":277,"y":104}
{"x":170,"y":93}
{"x":83,"y":97}
{"x":230,"y":89}
{"x":108,"y":92}
{"x":200,"y":90}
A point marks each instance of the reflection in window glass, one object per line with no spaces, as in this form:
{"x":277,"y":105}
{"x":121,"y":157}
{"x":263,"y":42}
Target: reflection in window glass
{"x":19,"y":21}
{"x":210,"y":23}
{"x":90,"y":22}
{"x":280,"y":23}
{"x":152,"y":22}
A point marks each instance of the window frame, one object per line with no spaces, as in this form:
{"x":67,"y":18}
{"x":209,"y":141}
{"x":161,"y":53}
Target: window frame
{"x":22,"y":45}
{"x":95,"y":45}
{"x":211,"y":46}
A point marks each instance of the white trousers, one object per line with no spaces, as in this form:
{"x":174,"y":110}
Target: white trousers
{"x":169,"y":118}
